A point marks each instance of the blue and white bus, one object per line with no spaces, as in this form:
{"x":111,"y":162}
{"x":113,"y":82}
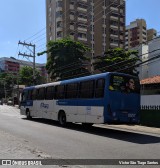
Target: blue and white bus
{"x":102,"y":98}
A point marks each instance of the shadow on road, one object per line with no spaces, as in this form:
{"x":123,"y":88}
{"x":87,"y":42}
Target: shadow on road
{"x":137,"y":138}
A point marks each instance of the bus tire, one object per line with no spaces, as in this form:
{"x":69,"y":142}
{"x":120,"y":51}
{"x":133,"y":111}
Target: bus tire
{"x":62,"y":118}
{"x":28,"y":115}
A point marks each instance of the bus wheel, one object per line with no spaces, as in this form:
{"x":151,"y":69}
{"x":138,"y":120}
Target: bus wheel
{"x":28,"y":115}
{"x":62,"y":118}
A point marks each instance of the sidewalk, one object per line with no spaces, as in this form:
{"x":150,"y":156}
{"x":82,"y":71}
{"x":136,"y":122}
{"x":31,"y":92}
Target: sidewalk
{"x":137,"y":128}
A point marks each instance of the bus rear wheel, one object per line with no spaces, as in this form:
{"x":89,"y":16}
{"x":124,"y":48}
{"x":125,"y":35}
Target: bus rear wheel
{"x":28,"y":115}
{"x":62,"y":118}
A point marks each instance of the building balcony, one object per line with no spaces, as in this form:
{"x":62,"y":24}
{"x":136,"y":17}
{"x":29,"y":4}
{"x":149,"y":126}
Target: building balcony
{"x":92,"y":42}
{"x":71,"y":36}
{"x":82,"y":39}
{"x":71,"y":17}
{"x":114,"y":44}
{"x":114,"y":26}
{"x":59,"y":29}
{"x":59,"y":18}
{"x":82,"y":19}
{"x":72,"y":7}
{"x":83,"y":1}
{"x":122,"y":20}
{"x":113,"y":9}
{"x":114,"y":35}
{"x":82,"y":29}
{"x":113,"y":18}
{"x":58,"y":38}
{"x":121,"y":28}
{"x":121,"y":11}
{"x":121,"y":45}
{"x":122,"y":38}
{"x":71,"y":27}
{"x":82,"y":9}
{"x":59,"y":9}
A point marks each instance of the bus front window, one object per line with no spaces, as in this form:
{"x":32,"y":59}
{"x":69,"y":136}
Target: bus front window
{"x":125,"y":84}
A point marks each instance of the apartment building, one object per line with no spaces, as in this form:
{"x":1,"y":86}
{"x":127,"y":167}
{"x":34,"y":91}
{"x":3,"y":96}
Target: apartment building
{"x":137,"y":34}
{"x":151,"y":34}
{"x":99,"y":24}
{"x":12,"y":65}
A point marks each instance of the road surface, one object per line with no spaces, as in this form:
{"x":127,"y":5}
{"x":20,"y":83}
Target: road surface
{"x":46,"y":139}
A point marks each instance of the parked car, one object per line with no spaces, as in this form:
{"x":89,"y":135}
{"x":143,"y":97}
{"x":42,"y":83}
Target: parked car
{"x":1,"y":102}
{"x":9,"y":102}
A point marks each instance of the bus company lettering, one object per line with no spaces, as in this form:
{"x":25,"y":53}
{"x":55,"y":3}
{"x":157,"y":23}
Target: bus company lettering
{"x":46,"y":106}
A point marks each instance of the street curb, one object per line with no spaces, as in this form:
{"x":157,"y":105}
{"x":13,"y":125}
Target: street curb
{"x":135,"y":128}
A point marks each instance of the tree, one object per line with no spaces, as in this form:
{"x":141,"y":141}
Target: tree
{"x":117,"y":60}
{"x":7,"y":81}
{"x":66,"y":59}
{"x":26,"y":76}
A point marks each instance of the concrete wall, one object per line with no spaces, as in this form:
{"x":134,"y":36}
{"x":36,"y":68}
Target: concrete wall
{"x":154,"y":66}
{"x":150,"y":100}
{"x":143,"y":55}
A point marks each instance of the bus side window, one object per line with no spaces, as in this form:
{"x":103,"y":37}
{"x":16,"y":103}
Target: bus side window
{"x":49,"y":93}
{"x":60,"y":92}
{"x":41,"y":94}
{"x":71,"y":90}
{"x":99,"y":91}
{"x":87,"y":89}
{"x":34,"y":94}
{"x":29,"y":96}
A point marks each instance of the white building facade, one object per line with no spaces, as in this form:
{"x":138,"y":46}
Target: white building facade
{"x":154,"y":50}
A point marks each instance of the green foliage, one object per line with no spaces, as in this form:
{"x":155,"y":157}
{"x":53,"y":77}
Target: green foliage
{"x":117,"y":60}
{"x":7,"y":81}
{"x":26,"y":76}
{"x":65,"y":59}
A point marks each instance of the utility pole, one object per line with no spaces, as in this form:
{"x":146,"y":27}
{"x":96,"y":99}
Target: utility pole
{"x":26,"y":55}
{"x":92,"y":23}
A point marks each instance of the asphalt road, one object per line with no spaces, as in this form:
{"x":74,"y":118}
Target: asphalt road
{"x":76,"y":142}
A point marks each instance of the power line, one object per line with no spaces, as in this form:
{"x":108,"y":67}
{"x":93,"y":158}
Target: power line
{"x":119,"y":63}
{"x":36,"y":33}
{"x":137,"y":65}
{"x":38,"y":37}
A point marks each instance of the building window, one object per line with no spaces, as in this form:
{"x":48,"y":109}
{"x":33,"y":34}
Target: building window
{"x":59,"y":34}
{"x":82,"y":35}
{"x":59,"y":24}
{"x":59,"y":14}
{"x":59,"y":4}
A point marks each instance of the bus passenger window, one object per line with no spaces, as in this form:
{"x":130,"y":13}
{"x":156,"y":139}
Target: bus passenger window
{"x":99,"y":91}
{"x":87,"y":89}
{"x":60,"y":92}
{"x":49,"y":93}
{"x":41,"y":94}
{"x":71,"y":90}
{"x":34,"y":96}
{"x":29,"y":96}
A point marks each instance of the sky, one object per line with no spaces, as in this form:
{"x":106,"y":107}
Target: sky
{"x":25,"y":20}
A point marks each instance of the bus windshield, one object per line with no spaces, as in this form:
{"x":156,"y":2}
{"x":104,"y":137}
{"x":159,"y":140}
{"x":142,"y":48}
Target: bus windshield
{"x":125,"y":84}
